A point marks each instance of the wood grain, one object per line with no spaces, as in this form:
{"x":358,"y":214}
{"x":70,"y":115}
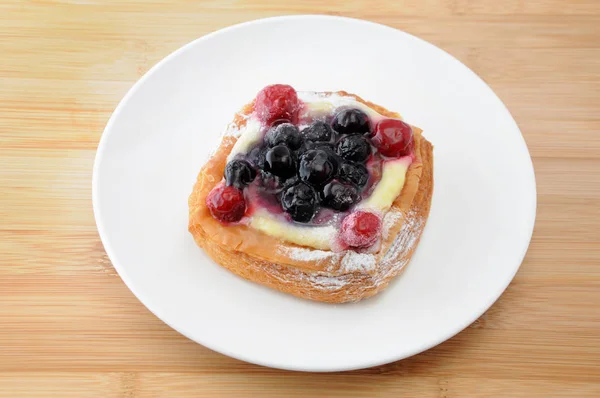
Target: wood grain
{"x":68,"y":325}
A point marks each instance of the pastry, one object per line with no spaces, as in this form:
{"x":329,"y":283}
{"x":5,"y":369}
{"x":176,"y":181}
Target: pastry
{"x":322,"y":195}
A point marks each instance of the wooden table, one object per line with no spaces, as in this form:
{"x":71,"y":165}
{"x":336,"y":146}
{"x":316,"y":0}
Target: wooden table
{"x":70,"y":327}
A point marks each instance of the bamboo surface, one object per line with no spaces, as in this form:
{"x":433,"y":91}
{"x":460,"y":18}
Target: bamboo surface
{"x":70,"y":328}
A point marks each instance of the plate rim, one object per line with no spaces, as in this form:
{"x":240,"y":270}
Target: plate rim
{"x":359,"y":364}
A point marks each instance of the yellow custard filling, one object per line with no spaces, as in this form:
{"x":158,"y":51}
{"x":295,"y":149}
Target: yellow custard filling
{"x":318,"y":237}
{"x":389,"y":187}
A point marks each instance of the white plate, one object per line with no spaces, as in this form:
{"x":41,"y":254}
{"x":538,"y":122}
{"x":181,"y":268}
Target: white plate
{"x":161,"y":133}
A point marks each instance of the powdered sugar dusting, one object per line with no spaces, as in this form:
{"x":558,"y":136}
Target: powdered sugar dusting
{"x":328,"y":282}
{"x":317,"y":280}
{"x":389,"y":220}
{"x":233,"y":129}
{"x":403,"y":243}
{"x":358,"y":262}
{"x":305,"y":254}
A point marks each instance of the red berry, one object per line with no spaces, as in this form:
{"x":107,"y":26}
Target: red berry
{"x":226,"y":203}
{"x":393,"y":138}
{"x":360,"y":229}
{"x":275,"y":102}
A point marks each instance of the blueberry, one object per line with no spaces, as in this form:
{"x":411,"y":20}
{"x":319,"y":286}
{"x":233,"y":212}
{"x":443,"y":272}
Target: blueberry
{"x":284,"y":134}
{"x":353,"y":147}
{"x":354,"y":173}
{"x":333,"y":157}
{"x":257,"y":156}
{"x":351,"y":121}
{"x":318,"y":131}
{"x":310,"y":145}
{"x":239,"y":173}
{"x":315,"y":167}
{"x":323,"y":146}
{"x":300,"y":202}
{"x":273,"y":184}
{"x":280,"y":161}
{"x":339,"y":196}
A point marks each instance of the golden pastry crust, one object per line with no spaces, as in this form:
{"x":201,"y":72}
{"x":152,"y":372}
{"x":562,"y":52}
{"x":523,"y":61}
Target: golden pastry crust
{"x":309,"y":273}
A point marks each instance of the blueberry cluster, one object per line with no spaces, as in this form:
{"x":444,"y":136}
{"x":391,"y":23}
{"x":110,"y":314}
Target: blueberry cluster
{"x":322,"y":165}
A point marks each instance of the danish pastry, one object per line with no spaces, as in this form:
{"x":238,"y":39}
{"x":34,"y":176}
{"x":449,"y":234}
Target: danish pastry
{"x":322,"y":195}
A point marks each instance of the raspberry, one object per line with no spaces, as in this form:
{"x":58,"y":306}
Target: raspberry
{"x":393,"y":138}
{"x":360,"y":229}
{"x":275,"y":102}
{"x":226,"y":203}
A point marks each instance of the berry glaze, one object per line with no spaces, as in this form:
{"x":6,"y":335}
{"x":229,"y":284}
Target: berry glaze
{"x":310,"y":165}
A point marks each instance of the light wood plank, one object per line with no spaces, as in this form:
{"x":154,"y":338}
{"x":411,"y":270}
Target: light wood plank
{"x":62,"y":384}
{"x":156,"y":385}
{"x":296,"y":385}
{"x":468,"y":387}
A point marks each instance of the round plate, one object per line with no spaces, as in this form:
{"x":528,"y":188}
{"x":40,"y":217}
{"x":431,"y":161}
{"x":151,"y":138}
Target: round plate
{"x":164,"y":129}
